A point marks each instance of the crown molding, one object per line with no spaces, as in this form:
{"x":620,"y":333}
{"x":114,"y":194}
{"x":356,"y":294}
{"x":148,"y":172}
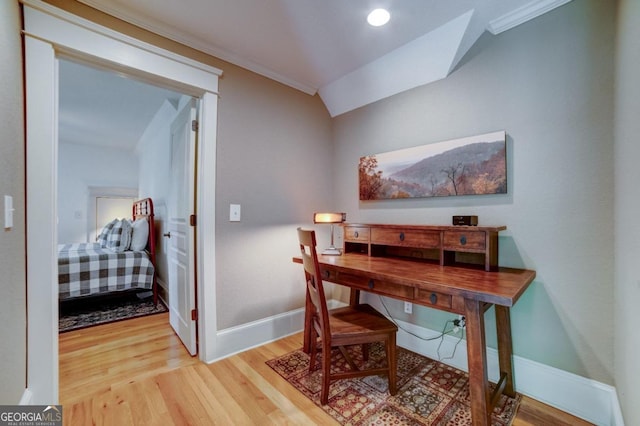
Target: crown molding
{"x":93,"y":27}
{"x":206,"y":48}
{"x":523,"y":14}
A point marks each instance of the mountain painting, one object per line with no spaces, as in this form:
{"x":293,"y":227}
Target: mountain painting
{"x":474,"y":165}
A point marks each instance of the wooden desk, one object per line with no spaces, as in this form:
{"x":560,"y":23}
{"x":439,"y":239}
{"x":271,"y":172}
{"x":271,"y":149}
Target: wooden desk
{"x":460,"y":290}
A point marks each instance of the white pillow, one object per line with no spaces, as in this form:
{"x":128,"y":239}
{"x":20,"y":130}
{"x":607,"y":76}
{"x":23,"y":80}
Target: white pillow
{"x":139,"y":235}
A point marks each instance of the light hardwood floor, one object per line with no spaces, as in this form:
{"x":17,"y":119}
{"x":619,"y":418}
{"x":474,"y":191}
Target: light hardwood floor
{"x":137,"y":372}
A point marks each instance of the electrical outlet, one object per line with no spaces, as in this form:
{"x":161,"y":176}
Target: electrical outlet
{"x":459,"y":323}
{"x":408,"y":307}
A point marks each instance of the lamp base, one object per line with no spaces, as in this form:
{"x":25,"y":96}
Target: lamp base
{"x":332,"y":251}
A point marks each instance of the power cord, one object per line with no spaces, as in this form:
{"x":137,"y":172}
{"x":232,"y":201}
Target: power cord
{"x":440,"y":357}
{"x":457,"y":324}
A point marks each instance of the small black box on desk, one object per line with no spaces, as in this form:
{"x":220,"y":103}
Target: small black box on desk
{"x":465,"y":220}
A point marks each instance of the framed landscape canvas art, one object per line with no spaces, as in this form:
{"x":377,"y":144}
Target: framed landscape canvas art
{"x":474,"y":165}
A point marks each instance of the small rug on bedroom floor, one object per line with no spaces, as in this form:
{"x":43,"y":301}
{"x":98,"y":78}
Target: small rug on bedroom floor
{"x":81,"y":314}
{"x":429,"y":392}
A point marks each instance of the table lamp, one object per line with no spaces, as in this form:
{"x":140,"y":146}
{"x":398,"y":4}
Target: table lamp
{"x":331,"y":218}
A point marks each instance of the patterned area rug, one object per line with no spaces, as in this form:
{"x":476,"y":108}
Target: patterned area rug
{"x":88,"y":313}
{"x":429,"y":392}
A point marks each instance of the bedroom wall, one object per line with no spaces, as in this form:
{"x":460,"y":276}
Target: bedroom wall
{"x":154,"y":158}
{"x":627,"y":204}
{"x":153,"y":152}
{"x":77,"y":172}
{"x":12,"y":241}
{"x":549,"y":84}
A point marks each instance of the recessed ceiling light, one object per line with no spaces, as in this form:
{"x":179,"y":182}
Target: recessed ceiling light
{"x":378,"y":17}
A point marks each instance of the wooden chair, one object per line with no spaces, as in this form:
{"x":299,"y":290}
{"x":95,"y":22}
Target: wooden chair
{"x":359,"y":325}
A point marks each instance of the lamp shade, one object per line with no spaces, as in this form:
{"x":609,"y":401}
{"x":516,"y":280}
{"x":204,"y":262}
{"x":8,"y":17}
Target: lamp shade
{"x":329,"y":217}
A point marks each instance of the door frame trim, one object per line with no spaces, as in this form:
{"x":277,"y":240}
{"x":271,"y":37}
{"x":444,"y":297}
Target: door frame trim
{"x":50,"y":34}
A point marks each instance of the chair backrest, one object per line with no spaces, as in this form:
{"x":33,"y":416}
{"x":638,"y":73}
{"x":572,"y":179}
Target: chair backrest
{"x":315,"y":289}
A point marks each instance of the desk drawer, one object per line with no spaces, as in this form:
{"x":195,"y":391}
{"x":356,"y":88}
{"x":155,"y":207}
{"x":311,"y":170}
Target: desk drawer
{"x":433,"y":298}
{"x":372,"y":285}
{"x":474,"y":241}
{"x":409,"y":238}
{"x":356,"y":233}
{"x":328,"y":275}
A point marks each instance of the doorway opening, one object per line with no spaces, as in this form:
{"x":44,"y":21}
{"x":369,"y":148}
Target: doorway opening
{"x":118,"y":143}
{"x":50,"y":35}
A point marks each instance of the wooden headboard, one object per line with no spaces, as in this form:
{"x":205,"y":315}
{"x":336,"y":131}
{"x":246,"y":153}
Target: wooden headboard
{"x":144,"y":209}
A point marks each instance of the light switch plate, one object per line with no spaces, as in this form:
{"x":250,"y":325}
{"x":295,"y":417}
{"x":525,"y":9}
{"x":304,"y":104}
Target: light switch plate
{"x":8,"y":211}
{"x":234,"y":213}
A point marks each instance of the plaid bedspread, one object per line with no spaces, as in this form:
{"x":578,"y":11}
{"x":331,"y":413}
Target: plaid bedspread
{"x":88,"y":269}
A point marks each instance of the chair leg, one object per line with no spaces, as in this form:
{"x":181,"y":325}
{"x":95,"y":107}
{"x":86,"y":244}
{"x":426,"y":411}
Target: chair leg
{"x":326,"y":373}
{"x":392,"y":363}
{"x":313,"y":339}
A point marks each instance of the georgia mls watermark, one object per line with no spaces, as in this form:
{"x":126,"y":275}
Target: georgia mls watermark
{"x":30,"y":415}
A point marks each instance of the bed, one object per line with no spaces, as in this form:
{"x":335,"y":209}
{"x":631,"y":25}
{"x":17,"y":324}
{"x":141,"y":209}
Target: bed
{"x":123,"y":259}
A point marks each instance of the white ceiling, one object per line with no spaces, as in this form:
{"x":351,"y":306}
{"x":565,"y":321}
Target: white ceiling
{"x":104,"y":108}
{"x":316,"y":46}
{"x":326,"y":46}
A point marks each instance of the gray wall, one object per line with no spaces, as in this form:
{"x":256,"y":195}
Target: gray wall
{"x":12,"y":242}
{"x":549,"y":84}
{"x":274,"y":159}
{"x":627,"y":249}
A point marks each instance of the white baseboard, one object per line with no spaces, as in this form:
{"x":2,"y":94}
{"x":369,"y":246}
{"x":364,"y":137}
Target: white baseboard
{"x":163,"y":291}
{"x":588,"y":399}
{"x":27,"y":395}
{"x":231,"y":341}
{"x":237,"y":339}
{"x":585,"y":398}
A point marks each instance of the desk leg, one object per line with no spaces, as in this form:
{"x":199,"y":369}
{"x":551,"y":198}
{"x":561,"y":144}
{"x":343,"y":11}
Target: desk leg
{"x":354,"y":298}
{"x":505,"y":347}
{"x":477,"y":359}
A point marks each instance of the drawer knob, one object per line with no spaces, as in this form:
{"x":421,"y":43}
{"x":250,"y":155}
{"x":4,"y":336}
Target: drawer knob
{"x":463,"y":240}
{"x":355,"y":234}
{"x":327,"y":274}
{"x":433,"y":298}
{"x":401,"y":236}
{"x":371,"y":284}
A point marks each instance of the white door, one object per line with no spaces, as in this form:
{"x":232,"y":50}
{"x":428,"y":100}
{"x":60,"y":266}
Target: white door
{"x":181,"y":234}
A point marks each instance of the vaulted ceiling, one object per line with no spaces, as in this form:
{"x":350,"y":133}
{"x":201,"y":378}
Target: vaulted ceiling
{"x":103,"y":108}
{"x":326,"y":46}
{"x":316,"y":46}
